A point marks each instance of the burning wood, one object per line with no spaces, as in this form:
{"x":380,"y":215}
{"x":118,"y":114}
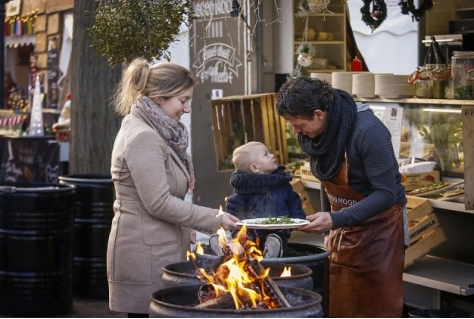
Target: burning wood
{"x":239,"y":277}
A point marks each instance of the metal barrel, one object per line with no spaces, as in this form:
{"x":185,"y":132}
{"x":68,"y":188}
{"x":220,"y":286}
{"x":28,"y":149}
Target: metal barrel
{"x":93,"y":205}
{"x":36,"y":238}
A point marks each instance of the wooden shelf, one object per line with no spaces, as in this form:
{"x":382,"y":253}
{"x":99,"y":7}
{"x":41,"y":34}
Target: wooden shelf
{"x":440,"y":204}
{"x":417,"y":101}
{"x":442,"y":274}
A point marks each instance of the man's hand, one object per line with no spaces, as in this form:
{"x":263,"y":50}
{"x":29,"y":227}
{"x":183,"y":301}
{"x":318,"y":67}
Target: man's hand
{"x":319,"y":223}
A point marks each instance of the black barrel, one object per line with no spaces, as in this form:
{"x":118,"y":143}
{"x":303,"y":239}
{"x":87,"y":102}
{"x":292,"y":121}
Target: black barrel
{"x":312,"y":256}
{"x":93,"y":204}
{"x":36,"y":238}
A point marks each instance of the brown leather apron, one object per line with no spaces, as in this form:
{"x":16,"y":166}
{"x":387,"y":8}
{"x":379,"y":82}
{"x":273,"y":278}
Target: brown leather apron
{"x":366,"y":260}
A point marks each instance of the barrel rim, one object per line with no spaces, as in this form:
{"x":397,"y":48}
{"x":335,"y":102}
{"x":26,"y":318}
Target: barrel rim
{"x":12,"y":189}
{"x":317,"y":301}
{"x":86,"y":178}
{"x":304,"y":271}
{"x":297,"y":259}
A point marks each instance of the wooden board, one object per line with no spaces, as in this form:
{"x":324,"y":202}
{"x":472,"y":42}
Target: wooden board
{"x":42,"y":61}
{"x":29,"y":6}
{"x":297,"y":185}
{"x":424,"y":246}
{"x":40,"y":23}
{"x":41,"y":42}
{"x":468,"y":146}
{"x":417,"y":207}
{"x":424,"y":228}
{"x":54,"y":24}
{"x":244,"y":118}
{"x":59,"y":5}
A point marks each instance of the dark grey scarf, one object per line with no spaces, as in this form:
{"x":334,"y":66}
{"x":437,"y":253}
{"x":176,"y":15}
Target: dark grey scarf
{"x":326,"y":151}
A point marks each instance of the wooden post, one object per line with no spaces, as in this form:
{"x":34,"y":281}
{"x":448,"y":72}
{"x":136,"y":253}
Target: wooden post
{"x":468,"y":144}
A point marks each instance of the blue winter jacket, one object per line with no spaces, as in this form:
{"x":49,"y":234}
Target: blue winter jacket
{"x":263,"y":196}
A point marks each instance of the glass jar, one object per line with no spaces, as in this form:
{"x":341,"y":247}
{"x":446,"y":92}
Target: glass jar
{"x":424,"y":82}
{"x":462,"y":73}
{"x":440,"y":76}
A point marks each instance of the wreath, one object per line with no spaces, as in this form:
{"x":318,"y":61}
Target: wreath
{"x":408,"y":7}
{"x":374,"y":18}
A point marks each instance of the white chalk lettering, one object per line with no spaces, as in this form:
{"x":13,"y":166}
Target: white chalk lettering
{"x":217,"y":74}
{"x":211,"y":8}
{"x":341,"y":201}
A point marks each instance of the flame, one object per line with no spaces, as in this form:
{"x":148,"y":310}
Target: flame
{"x":221,"y":212}
{"x":199,"y":249}
{"x":238,"y":275}
{"x":286,"y":272}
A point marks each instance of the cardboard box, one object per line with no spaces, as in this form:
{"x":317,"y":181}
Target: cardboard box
{"x":304,"y":196}
{"x":297,"y":185}
{"x":307,"y":175}
{"x":306,"y":203}
{"x":417,"y":180}
{"x":425,"y":231}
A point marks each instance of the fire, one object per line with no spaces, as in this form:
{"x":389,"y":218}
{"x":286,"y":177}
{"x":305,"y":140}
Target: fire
{"x":240,"y":274}
{"x":286,"y":272}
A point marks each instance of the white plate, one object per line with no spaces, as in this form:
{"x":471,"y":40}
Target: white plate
{"x":256,"y":223}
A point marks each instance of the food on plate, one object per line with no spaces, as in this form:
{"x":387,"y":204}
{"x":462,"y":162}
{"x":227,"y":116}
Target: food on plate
{"x":454,"y":192}
{"x":277,"y":220}
{"x":429,"y":187}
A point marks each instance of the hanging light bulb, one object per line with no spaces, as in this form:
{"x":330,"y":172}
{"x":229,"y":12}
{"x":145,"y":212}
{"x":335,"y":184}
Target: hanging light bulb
{"x":235,"y":9}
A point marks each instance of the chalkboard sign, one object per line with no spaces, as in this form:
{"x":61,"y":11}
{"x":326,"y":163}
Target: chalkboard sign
{"x":218,"y":46}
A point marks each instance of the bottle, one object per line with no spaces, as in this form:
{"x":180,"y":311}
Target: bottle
{"x":356,"y":65}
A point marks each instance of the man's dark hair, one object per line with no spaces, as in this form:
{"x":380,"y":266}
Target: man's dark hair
{"x":302,"y":96}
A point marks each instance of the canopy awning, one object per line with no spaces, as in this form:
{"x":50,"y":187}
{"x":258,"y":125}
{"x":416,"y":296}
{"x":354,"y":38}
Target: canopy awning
{"x":16,"y":41}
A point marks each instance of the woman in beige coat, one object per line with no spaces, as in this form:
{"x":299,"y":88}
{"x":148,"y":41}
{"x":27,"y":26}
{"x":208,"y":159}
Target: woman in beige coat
{"x":152,"y":173}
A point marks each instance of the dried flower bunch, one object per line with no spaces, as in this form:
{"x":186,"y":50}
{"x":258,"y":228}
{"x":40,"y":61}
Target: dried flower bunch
{"x":126,"y":29}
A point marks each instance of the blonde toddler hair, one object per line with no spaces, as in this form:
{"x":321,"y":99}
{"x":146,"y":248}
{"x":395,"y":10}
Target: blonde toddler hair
{"x":244,"y":156}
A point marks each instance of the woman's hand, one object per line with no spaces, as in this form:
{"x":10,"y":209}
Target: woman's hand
{"x":192,"y":236}
{"x":319,"y":223}
{"x":229,"y":221}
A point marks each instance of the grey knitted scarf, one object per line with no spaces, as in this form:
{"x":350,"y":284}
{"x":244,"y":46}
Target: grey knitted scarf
{"x":175,"y":134}
{"x":326,"y":151}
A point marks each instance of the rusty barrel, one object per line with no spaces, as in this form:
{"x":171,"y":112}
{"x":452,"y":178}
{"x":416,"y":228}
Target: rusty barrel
{"x":93,"y":205}
{"x":36,"y":238}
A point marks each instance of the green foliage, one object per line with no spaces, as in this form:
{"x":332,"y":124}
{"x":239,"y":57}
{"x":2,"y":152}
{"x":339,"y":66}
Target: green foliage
{"x":126,"y":29}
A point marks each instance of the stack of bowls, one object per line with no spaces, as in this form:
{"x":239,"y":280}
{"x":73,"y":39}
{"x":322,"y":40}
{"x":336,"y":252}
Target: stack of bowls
{"x":322,"y":76}
{"x":363,"y":85}
{"x":392,"y":86}
{"x":343,"y":80}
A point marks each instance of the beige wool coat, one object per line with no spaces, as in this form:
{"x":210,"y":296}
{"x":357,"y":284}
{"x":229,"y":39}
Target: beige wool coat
{"x":150,"y":228}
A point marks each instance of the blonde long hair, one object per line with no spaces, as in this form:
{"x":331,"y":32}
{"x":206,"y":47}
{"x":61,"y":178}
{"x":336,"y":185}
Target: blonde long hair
{"x":165,"y":79}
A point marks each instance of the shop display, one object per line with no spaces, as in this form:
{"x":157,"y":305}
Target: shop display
{"x":462,"y":73}
{"x":319,"y":30}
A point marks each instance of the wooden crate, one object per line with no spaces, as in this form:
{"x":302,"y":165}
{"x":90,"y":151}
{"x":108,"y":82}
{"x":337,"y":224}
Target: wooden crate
{"x":240,"y":119}
{"x":424,"y":228}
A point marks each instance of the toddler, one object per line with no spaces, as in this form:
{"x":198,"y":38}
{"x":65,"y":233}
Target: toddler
{"x":262,"y":189}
